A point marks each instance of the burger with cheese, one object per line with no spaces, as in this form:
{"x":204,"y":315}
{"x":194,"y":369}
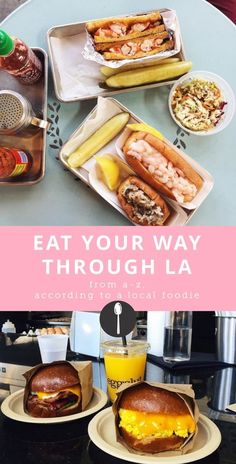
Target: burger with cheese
{"x":52,"y":390}
{"x":151,"y":419}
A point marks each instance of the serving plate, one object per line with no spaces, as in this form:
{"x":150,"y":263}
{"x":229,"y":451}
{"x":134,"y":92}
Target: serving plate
{"x":101,"y":431}
{"x":12,"y":407}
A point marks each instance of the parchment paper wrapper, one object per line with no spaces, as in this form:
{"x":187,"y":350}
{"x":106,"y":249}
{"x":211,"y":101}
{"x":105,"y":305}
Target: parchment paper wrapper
{"x":170,"y":20}
{"x":185,"y":392}
{"x":85,"y":374}
{"x":85,"y":371}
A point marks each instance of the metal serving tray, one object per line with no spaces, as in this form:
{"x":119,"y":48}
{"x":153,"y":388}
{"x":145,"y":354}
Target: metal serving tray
{"x":32,"y":139}
{"x":183,"y":215}
{"x":66,"y":31}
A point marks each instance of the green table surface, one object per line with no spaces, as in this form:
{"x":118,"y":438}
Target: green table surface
{"x":209,"y":41}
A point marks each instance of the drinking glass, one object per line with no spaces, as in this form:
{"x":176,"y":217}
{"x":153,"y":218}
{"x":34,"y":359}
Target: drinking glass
{"x":177,"y":336}
{"x":53,"y":347}
{"x":124,"y":364}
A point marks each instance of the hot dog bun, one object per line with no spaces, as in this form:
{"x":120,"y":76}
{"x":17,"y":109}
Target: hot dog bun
{"x":153,"y":212}
{"x":151,"y":419}
{"x":171,"y":155}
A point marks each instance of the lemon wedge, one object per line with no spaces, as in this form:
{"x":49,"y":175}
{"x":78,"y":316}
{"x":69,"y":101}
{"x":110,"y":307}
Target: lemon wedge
{"x":146,"y":128}
{"x":109,"y":170}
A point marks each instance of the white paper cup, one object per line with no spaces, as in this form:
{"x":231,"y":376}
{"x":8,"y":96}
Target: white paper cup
{"x":53,"y":347}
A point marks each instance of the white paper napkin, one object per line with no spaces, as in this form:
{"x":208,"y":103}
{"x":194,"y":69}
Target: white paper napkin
{"x":232,"y":407}
{"x":77,"y":75}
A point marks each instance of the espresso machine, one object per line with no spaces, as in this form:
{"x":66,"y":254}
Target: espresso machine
{"x":19,"y":349}
{"x":17,"y":354}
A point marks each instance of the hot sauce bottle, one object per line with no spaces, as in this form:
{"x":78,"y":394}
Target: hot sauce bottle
{"x":13,"y":162}
{"x":18,"y":59}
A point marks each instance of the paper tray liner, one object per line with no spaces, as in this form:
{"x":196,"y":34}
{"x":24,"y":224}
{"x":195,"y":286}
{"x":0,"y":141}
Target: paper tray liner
{"x":85,"y":375}
{"x":185,"y":392}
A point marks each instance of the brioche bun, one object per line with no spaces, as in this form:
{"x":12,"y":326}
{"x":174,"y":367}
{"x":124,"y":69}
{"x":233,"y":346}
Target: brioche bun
{"x":53,"y":378}
{"x":143,"y":404}
{"x":54,"y":390}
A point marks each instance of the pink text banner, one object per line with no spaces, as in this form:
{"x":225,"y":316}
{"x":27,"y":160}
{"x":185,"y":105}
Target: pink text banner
{"x":84,"y":268}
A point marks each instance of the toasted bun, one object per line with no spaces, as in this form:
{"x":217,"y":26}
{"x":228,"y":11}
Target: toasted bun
{"x":152,"y":194}
{"x":168,"y":45}
{"x":92,"y":26}
{"x":148,"y":399}
{"x":150,"y":30}
{"x":155,"y":400}
{"x":107,"y":46}
{"x":53,"y":378}
{"x":152,"y":445}
{"x":170,"y":153}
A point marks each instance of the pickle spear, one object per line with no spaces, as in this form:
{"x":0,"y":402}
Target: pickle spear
{"x":148,"y":75}
{"x":99,"y":139}
{"x":107,"y":72}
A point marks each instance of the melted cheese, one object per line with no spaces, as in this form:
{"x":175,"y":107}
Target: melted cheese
{"x":142,"y":425}
{"x":43,"y":395}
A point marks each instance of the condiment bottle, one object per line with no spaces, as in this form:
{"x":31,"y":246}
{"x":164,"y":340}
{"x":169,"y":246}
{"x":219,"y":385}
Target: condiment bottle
{"x":8,"y":327}
{"x":18,"y":59}
{"x":13,"y":162}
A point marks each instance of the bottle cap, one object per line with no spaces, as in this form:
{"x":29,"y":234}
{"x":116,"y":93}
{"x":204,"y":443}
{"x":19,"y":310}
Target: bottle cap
{"x":6,"y":43}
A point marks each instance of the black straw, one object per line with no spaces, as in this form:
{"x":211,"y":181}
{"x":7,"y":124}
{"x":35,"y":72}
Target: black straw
{"x":124,"y":341}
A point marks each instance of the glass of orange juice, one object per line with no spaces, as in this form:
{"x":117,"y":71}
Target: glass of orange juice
{"x":124,"y":364}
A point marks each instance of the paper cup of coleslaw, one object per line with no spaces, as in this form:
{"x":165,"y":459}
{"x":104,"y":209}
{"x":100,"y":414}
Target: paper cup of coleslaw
{"x":202,"y":103}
